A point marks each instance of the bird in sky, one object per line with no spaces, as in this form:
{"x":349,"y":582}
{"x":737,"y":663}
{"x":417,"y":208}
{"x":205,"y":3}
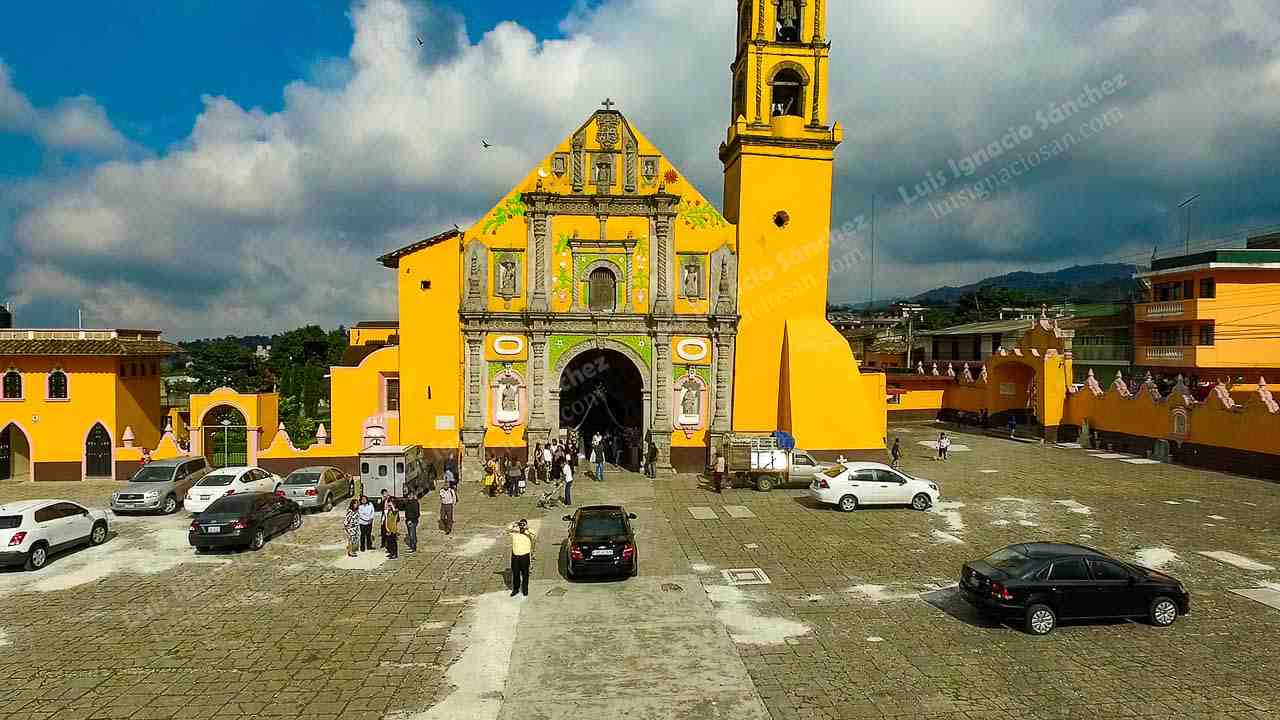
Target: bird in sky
{"x":485,"y":143}
{"x":419,"y":41}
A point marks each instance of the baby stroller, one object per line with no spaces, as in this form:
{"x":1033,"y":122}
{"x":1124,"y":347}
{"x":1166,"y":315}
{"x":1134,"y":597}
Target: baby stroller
{"x":553,"y":497}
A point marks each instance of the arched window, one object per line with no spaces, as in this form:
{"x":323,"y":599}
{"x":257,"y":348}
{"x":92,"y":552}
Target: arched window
{"x":12,"y":385}
{"x":788,"y":93}
{"x":603,"y":292}
{"x":57,"y":385}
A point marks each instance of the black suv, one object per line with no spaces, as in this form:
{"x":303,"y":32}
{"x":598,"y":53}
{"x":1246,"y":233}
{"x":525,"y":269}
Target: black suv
{"x":601,"y":542}
{"x":1042,"y":582}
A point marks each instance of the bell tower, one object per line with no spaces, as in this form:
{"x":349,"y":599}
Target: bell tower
{"x":792,"y":368}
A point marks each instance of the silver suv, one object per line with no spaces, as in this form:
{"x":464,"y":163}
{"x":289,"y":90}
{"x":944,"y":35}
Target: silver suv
{"x":159,"y":486}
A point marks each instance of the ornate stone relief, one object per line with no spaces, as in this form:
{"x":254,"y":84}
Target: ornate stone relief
{"x":477,"y":276}
{"x":508,"y":400}
{"x":578,"y":180}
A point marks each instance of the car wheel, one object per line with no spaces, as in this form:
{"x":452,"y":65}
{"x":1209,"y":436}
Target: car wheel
{"x":921,"y":502}
{"x":201,"y":549}
{"x":1163,"y":612}
{"x":38,"y":556}
{"x":848,"y":503}
{"x":98,"y":534}
{"x":259,"y":539}
{"x":568,"y":571}
{"x":764,"y":483}
{"x":1041,"y":619}
{"x":635,"y":567}
{"x":297,"y":521}
{"x":328,"y":504}
{"x":170,"y":505}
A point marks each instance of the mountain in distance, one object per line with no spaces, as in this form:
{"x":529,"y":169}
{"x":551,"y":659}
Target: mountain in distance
{"x":1081,"y":283}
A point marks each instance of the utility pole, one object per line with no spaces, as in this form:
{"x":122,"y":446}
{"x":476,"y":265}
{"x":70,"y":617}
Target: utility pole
{"x":1186,"y":250}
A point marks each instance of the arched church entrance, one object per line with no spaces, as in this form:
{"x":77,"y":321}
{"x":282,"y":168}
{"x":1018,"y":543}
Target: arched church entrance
{"x":602,"y":391}
{"x":1015,"y":392}
{"x":15,"y":454}
{"x":226,"y":437}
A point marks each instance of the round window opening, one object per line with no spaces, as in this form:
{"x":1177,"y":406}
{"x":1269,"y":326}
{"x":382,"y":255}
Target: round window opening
{"x":781,"y":219}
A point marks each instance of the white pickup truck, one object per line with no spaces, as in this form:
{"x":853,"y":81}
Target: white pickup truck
{"x":759,"y":461}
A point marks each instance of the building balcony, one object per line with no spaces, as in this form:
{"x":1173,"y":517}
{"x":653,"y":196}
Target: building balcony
{"x":1112,"y":354}
{"x":1180,"y":356}
{"x":1176,"y":310}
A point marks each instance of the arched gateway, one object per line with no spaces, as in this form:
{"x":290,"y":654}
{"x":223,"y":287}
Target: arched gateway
{"x":602,"y":390}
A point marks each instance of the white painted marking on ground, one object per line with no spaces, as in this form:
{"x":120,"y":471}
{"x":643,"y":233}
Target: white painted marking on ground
{"x":1156,"y":558}
{"x":1074,"y":507}
{"x":703,"y":513}
{"x":4,"y":639}
{"x":1028,"y":523}
{"x":1231,"y":558}
{"x":875,"y":639}
{"x":477,"y":546}
{"x":1085,"y":536}
{"x":438,"y":625}
{"x":1209,"y":525}
{"x":988,"y":472}
{"x":1142,"y":461}
{"x":480,"y":674}
{"x":702,"y":568}
{"x":1216,"y":517}
{"x":1190,"y":500}
{"x":1112,"y":456}
{"x":880,"y":593}
{"x":1250,"y":504}
{"x":1069,"y":446}
{"x":950,"y":512}
{"x":733,"y":609}
{"x":955,"y":447}
{"x":1172,"y":502}
{"x":1000,"y":523}
{"x":947,"y":538}
{"x":752,"y":546}
{"x":1266,"y":596}
{"x":737,"y":511}
{"x":367,"y":560}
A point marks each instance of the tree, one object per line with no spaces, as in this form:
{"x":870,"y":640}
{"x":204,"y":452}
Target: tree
{"x":226,"y":363}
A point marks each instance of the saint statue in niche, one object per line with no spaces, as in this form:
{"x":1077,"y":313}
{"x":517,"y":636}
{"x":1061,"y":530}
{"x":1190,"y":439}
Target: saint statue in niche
{"x":690,"y":402}
{"x":510,"y":397}
{"x":507,"y":401}
{"x":690,"y":281}
{"x":507,"y":278}
{"x":724,"y":277}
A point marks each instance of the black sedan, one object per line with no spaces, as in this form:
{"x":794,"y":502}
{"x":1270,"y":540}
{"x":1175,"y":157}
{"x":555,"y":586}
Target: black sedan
{"x":1040,"y":583}
{"x":245,"y":520}
{"x":601,"y":542}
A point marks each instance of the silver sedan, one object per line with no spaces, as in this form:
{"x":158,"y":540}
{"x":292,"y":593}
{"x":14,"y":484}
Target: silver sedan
{"x":319,"y":486}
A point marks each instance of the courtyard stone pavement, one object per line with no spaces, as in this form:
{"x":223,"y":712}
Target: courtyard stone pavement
{"x":859,"y":619}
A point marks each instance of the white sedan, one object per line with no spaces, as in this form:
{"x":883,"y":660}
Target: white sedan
{"x":851,"y":484}
{"x":229,"y":481}
{"x":32,"y":530}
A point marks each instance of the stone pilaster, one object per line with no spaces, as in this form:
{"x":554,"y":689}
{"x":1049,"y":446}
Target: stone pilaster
{"x":473,"y":419}
{"x":538,"y":251}
{"x":539,"y":430}
{"x":662,"y":426}
{"x":722,"y":374}
{"x":661,"y":264}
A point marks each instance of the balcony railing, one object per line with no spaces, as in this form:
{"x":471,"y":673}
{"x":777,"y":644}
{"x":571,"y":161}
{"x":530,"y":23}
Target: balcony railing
{"x":1166,"y":354}
{"x":1161,"y":309}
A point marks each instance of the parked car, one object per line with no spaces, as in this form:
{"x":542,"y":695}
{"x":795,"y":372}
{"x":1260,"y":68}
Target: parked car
{"x":160,"y":485}
{"x":317,"y":487}
{"x":229,"y":481}
{"x":243,"y":520}
{"x":601,"y":542}
{"x":33,"y":530}
{"x":853,"y":484}
{"x":1041,"y":583}
{"x":763,"y":462}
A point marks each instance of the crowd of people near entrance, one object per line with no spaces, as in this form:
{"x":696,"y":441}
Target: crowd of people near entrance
{"x":397,"y":514}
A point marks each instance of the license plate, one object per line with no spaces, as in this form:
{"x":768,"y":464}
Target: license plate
{"x":213,"y":529}
{"x":599,"y":553}
{"x":204,"y":497}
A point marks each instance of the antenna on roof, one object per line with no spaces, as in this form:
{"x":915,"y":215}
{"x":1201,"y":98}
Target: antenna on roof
{"x":79,"y":318}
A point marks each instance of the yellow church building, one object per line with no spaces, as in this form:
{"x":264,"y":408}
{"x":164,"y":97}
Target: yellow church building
{"x":604,"y":292}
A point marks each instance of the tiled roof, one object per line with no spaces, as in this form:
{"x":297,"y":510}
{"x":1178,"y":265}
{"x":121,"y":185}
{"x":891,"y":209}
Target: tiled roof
{"x":392,"y":259}
{"x":111,"y":347}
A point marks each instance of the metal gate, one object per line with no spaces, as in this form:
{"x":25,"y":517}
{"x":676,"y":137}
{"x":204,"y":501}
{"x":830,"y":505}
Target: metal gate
{"x":6,"y":455}
{"x":97,"y":453}
{"x":226,"y":438}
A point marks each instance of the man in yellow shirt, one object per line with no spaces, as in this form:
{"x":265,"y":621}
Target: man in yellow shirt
{"x":522,"y":542}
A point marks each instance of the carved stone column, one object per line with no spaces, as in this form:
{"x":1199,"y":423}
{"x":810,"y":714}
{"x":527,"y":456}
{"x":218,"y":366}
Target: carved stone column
{"x":473,"y":419}
{"x":662,"y":426}
{"x":539,"y":430}
{"x":661,"y":264}
{"x":722,"y":374}
{"x":538,"y":250}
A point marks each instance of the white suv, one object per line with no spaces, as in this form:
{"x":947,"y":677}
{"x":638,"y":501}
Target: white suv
{"x":851,"y":484}
{"x":32,"y":530}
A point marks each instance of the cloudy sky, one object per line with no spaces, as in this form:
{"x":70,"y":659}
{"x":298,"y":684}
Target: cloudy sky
{"x":229,"y":167}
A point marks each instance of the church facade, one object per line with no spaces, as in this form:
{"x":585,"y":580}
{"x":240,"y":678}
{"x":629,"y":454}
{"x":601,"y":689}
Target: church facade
{"x":605,"y":293}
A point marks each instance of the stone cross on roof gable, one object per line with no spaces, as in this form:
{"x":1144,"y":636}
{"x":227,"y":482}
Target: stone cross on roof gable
{"x":608,"y":103}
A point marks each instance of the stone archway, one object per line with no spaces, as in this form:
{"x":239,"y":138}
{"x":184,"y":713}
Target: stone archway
{"x":602,"y":385}
{"x":226,"y":436}
{"x":1014,"y":391}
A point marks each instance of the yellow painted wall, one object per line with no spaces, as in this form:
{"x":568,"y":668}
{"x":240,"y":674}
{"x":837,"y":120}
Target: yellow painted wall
{"x":56,"y":429}
{"x":138,"y":408}
{"x":363,"y":336}
{"x":1246,"y":302}
{"x":357,"y":396}
{"x":431,"y":352}
{"x":827,"y":404}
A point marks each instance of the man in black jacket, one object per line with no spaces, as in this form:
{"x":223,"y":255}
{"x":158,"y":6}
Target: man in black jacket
{"x":412,"y":511}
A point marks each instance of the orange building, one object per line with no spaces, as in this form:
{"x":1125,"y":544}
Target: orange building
{"x":1214,"y":314}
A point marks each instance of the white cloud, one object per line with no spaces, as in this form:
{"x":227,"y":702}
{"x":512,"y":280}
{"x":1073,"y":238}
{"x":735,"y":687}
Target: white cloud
{"x":261,"y":221}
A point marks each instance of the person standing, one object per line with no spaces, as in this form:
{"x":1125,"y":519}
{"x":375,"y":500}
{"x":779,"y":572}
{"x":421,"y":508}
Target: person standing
{"x":597,"y":455}
{"x":364,"y":513}
{"x":351,"y":523}
{"x":448,"y":498}
{"x":1013,"y":425}
{"x":412,"y":507}
{"x":717,"y":473}
{"x":491,"y":478}
{"x":390,"y":528}
{"x":652,"y":458}
{"x":896,"y":452}
{"x":544,"y":472}
{"x":522,"y":542}
{"x":944,"y":445}
{"x":567,"y":470}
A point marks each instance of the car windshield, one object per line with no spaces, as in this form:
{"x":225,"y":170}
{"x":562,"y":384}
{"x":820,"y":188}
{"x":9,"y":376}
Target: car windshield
{"x":152,"y":474}
{"x":833,"y":472}
{"x":303,"y":478}
{"x":216,"y":480}
{"x":228,"y":508}
{"x":9,"y":522}
{"x":601,"y":526}
{"x":1010,"y":560}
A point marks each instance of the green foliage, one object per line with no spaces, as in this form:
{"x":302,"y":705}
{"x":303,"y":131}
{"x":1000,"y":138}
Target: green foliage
{"x":226,"y":363}
{"x":513,"y":207}
{"x":700,"y":216}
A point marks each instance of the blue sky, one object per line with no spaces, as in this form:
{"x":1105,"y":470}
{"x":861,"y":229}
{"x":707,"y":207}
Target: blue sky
{"x":235,"y":166}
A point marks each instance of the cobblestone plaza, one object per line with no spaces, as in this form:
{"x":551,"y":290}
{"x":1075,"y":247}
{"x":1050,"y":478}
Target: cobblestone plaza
{"x":859,"y":617}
